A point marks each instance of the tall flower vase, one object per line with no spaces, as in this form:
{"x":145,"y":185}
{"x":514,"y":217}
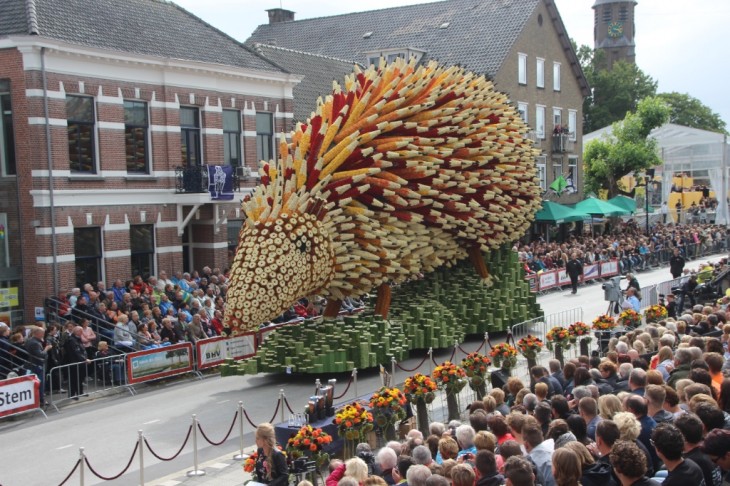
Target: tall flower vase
{"x":479,"y":385}
{"x":531,"y":361}
{"x":422,"y":416}
{"x":584,"y":347}
{"x":559,"y":354}
{"x":349,"y":449}
{"x":452,"y":403}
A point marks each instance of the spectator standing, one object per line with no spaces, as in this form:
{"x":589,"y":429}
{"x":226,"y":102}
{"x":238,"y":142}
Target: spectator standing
{"x":676,"y":264}
{"x":629,"y":465}
{"x":669,"y":444}
{"x":540,"y":452}
{"x":691,"y":428}
{"x":75,"y":354}
{"x":37,"y":355}
{"x":574,"y":268}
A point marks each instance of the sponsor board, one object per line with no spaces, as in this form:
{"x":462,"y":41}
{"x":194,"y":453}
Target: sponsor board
{"x":609,"y":268}
{"x":548,"y":280}
{"x":212,"y":352}
{"x":152,"y":364}
{"x":19,"y":395}
{"x":591,"y":271}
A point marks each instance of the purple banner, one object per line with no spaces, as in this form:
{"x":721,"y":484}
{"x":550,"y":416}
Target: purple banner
{"x":220,"y":182}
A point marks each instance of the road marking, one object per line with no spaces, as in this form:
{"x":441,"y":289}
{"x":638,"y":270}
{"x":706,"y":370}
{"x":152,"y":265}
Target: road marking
{"x":151,"y":422}
{"x":224,"y":401}
{"x":64,"y":447}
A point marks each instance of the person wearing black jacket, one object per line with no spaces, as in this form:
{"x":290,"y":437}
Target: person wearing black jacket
{"x":486,"y":464}
{"x":75,"y":353}
{"x":271,"y":465}
{"x":629,"y":465}
{"x":574,"y":267}
{"x":676,"y":264}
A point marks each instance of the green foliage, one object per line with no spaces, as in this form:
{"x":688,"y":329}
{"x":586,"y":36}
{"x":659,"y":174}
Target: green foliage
{"x":627,"y":150}
{"x":691,"y":112}
{"x":615,"y":92}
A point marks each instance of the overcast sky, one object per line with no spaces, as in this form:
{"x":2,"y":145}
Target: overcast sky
{"x":684,"y":45}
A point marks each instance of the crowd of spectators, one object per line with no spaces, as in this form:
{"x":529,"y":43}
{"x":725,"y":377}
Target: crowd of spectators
{"x":628,"y":243}
{"x":654,"y":410}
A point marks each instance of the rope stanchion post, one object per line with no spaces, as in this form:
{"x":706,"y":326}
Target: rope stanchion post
{"x":486,"y":339}
{"x":195,"y":471}
{"x":456,"y":348}
{"x":82,"y":465}
{"x":392,"y":368}
{"x":240,"y":456}
{"x":430,"y":361}
{"x":140,"y":439}
{"x":281,"y":402}
{"x":354,"y":380}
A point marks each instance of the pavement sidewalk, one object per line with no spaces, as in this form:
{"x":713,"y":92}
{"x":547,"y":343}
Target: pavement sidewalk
{"x":221,"y":471}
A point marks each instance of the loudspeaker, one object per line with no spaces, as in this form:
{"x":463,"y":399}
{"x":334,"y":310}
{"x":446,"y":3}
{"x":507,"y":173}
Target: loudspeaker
{"x":499,"y":379}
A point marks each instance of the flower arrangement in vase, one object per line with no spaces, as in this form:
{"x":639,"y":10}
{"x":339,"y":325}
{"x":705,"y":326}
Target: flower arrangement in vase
{"x":558,"y":336}
{"x":530,"y":346}
{"x":504,"y":355}
{"x":630,"y":318}
{"x":420,"y":390}
{"x":475,"y":365}
{"x":387,"y":408}
{"x":309,"y":441}
{"x":655,"y":313}
{"x":452,"y":379}
{"x":604,"y":322}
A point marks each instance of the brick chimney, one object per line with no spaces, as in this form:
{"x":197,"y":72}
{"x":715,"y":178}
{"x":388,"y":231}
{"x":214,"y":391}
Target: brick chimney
{"x":277,"y":15}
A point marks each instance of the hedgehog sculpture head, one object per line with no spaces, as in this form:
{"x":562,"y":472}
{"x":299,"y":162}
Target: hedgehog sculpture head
{"x":400,"y":172}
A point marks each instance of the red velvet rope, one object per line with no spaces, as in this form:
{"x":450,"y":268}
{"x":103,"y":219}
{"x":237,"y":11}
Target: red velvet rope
{"x":190,"y":429}
{"x":112,"y":478}
{"x":228,"y":434}
{"x":346,"y":389}
{"x":71,"y":473}
{"x":414,"y":369}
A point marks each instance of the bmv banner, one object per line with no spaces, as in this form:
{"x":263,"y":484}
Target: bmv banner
{"x":220,"y":182}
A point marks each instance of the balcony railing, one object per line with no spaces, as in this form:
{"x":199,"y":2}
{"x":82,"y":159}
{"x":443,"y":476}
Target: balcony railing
{"x":194,"y":179}
{"x":562,"y":143}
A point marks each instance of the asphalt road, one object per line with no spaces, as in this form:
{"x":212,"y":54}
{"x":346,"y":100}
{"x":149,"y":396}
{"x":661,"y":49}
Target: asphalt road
{"x":41,"y":452}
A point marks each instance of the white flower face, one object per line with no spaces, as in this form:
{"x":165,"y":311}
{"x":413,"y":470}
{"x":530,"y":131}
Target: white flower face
{"x":275,"y":266}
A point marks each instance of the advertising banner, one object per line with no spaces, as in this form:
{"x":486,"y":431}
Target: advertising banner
{"x":532,"y":282}
{"x":548,"y":280}
{"x":212,"y":352}
{"x":563,"y":277}
{"x":590,"y":272}
{"x":152,"y":364}
{"x":609,"y":268}
{"x":19,"y":395}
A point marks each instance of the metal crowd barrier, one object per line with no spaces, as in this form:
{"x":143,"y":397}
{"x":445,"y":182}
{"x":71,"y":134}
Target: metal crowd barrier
{"x":86,"y":379}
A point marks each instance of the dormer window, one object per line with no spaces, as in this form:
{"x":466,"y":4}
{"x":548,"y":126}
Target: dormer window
{"x":367,"y":35}
{"x":445,"y":25}
{"x":390,"y":55}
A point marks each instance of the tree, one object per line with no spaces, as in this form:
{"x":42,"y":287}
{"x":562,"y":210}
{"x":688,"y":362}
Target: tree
{"x":614,"y":93}
{"x":628,"y":149}
{"x":691,"y":112}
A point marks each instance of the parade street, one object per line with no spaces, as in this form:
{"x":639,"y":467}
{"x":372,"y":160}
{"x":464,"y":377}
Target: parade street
{"x":108,"y":427}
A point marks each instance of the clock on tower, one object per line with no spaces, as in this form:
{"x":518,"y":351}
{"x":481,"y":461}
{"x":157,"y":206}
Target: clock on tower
{"x":615,"y":29}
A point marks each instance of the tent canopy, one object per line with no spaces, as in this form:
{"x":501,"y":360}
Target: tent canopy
{"x":597,"y":207}
{"x":552,"y":212}
{"x":624,"y":203}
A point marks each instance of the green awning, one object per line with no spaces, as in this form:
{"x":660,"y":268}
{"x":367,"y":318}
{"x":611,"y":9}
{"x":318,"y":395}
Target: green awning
{"x":598,"y":207}
{"x":552,"y":212}
{"x":624,"y":202}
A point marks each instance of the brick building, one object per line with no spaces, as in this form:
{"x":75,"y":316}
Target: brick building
{"x":522,"y":45}
{"x":111,"y":113}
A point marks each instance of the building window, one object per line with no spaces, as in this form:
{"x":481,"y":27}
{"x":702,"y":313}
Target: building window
{"x":607,"y":13}
{"x":557,"y":168}
{"x":540,"y":72}
{"x":557,"y":118}
{"x":232,"y":138}
{"x":7,"y":135}
{"x":522,"y":68}
{"x":542,"y":172}
{"x":540,"y":121}
{"x":522,"y":108}
{"x":264,"y":136}
{"x":136,"y":132}
{"x":142,"y":246}
{"x":556,"y":76}
{"x":572,"y":178}
{"x":190,"y":136}
{"x":374,"y":61}
{"x":572,"y":124}
{"x":87,"y":247}
{"x":81,"y":133}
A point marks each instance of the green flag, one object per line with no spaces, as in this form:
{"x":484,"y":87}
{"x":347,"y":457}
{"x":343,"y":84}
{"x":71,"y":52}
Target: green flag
{"x":559,"y":185}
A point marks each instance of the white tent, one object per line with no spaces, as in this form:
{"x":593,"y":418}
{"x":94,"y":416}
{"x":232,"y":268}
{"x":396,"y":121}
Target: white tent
{"x":699,"y":153}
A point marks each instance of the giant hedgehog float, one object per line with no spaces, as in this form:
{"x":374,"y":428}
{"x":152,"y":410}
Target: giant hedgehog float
{"x":404,"y":169}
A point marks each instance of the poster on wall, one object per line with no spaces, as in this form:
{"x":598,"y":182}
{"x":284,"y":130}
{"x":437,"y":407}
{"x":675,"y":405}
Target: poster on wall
{"x":212,"y":352}
{"x":152,"y":364}
{"x":19,"y":395}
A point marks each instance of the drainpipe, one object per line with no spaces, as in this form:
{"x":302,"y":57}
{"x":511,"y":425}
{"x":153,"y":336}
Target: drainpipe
{"x":49,"y":157}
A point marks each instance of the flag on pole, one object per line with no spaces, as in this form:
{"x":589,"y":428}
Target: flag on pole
{"x":559,"y":185}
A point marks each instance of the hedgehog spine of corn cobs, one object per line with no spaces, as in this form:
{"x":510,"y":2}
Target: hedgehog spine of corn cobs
{"x":402,"y":169}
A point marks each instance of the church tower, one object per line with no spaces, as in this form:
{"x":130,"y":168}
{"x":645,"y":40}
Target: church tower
{"x":614,"y":29}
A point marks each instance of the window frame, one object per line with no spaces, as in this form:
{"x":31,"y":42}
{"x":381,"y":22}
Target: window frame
{"x":98,"y":257}
{"x":93,"y":134}
{"x":540,"y":72}
{"x":8,"y":159}
{"x":557,"y":163}
{"x":556,"y":76}
{"x":573,"y":124}
{"x":541,"y":166}
{"x":148,"y":252}
{"x":191,"y":133}
{"x":557,"y":117}
{"x":234,"y":136}
{"x":261,"y":138}
{"x":523,"y":109}
{"x":522,"y":68}
{"x":540,"y":114}
{"x":573,"y":163}
{"x":146,"y":140}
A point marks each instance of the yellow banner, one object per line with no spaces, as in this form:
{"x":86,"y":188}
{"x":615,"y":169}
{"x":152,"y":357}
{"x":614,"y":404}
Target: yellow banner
{"x":9,"y":297}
